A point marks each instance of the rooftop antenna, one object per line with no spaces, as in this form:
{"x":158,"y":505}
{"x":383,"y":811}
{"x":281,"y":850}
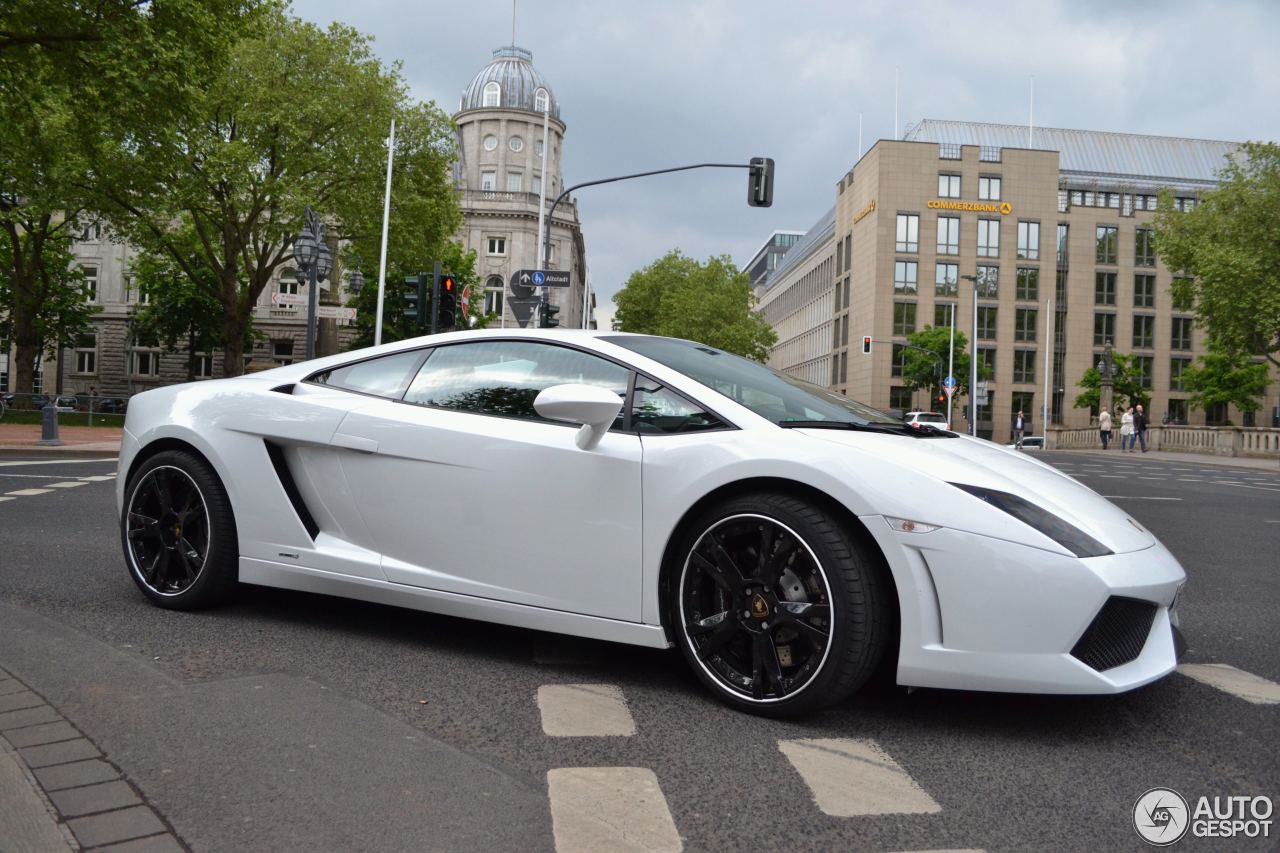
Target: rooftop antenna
{"x":895,"y":103}
{"x":1031,"y":113}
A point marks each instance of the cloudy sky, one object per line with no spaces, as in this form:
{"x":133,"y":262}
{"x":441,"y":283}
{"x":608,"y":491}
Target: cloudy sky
{"x":644,"y":85}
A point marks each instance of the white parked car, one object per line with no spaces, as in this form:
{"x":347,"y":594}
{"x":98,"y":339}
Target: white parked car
{"x":932,"y":418}
{"x":651,"y":491}
{"x":1028,"y":442}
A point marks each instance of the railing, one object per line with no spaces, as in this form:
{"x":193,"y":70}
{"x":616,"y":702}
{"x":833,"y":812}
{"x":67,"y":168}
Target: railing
{"x":1212,"y":441}
{"x":73,"y":409}
{"x":509,"y":197}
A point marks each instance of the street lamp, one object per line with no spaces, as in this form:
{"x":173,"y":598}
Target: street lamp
{"x":973,"y":361}
{"x":1106,"y":371}
{"x":356,"y":282}
{"x":315,"y":261}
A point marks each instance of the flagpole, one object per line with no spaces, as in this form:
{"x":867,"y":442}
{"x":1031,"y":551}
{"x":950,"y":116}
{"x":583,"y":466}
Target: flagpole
{"x":386,"y":216}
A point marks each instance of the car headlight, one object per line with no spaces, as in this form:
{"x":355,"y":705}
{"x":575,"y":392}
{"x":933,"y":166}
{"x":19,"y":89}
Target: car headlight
{"x":1072,"y":538}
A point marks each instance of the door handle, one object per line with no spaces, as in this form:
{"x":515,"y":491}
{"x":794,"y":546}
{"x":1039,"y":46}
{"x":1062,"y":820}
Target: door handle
{"x":354,"y":442}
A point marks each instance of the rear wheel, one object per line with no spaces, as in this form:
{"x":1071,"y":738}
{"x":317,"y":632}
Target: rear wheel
{"x":178,"y":532}
{"x":777,"y":607}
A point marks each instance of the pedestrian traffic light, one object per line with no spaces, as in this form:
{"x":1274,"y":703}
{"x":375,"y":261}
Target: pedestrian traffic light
{"x":446,"y":307}
{"x":415,"y":301}
{"x":941,"y":399}
{"x":548,"y":316}
{"x":760,"y":182}
{"x":866,"y":345}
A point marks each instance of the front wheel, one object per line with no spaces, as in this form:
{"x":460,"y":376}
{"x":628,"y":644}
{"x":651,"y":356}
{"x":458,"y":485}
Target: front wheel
{"x":778,"y":608}
{"x":178,"y":533}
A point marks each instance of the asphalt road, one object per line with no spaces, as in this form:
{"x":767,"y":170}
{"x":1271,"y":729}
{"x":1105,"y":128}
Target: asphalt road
{"x":294,"y":721}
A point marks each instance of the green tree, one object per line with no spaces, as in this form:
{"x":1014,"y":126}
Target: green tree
{"x":177,"y":311}
{"x":1229,"y":246}
{"x":298,"y":117}
{"x":454,"y":259}
{"x":711,"y":303}
{"x":928,"y":368}
{"x":1221,"y":376}
{"x":1126,"y":385}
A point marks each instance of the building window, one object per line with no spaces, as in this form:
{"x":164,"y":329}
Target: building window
{"x":1025,"y":402}
{"x":908,"y":233}
{"x":1024,"y":365}
{"x":942,"y":313}
{"x":1104,"y":288}
{"x":492,"y":95}
{"x":948,"y":186}
{"x":989,"y":188}
{"x":844,"y":330}
{"x":1025,"y":321}
{"x":90,"y":232}
{"x":844,"y":366}
{"x":90,"y":283}
{"x":145,"y":363}
{"x":488,"y":181}
{"x":948,"y":151}
{"x":516,"y":143}
{"x":987,"y":316}
{"x":515,"y":182}
{"x":541,"y":100}
{"x":905,"y":275}
{"x":490,"y":142}
{"x":204,"y":365}
{"x":497,"y":245}
{"x":1104,"y":328}
{"x":898,"y":360}
{"x":900,"y":398}
{"x":288,"y":282}
{"x":989,"y":153}
{"x":1028,"y":283}
{"x":282,"y":352}
{"x":1028,"y":241}
{"x":948,"y":235}
{"x":1063,"y":231}
{"x":1144,"y":330}
{"x":988,"y":283}
{"x":1215,"y":414}
{"x":1142,"y":369}
{"x":1144,"y":290}
{"x":1176,"y":366}
{"x":904,"y":318}
{"x":87,"y":354}
{"x":988,"y":238}
{"x":947,"y":280}
{"x":987,"y":360}
{"x":1144,"y":252}
{"x":536,"y":189}
{"x":493,"y":290}
{"x":1108,"y":244}
{"x":1181,"y":338}
{"x":1064,"y":203}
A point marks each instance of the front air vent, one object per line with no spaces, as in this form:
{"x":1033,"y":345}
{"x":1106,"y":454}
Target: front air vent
{"x":276,"y":452}
{"x":1117,"y":634}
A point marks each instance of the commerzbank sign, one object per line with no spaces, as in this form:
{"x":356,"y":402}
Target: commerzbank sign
{"x":1001,"y":207}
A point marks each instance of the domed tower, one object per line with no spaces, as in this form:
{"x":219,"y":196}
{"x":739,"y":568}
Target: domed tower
{"x":500,"y":172}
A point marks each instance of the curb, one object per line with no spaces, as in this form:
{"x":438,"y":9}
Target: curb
{"x":8,"y":451}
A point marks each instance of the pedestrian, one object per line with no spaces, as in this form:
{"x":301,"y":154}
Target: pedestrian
{"x":1126,"y":431}
{"x":1104,"y":428}
{"x":1019,"y":424}
{"x":1140,"y":428}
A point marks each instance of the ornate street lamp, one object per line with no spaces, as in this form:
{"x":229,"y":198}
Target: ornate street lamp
{"x":355,"y":283}
{"x":315,"y":261}
{"x":1106,"y":372}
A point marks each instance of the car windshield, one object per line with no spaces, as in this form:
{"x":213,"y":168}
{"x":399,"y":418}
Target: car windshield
{"x":765,"y":391}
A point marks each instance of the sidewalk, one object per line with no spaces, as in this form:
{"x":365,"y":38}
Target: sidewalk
{"x":77,"y":441}
{"x":1248,"y":462}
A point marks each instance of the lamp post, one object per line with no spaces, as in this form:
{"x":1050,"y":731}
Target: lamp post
{"x":315,"y":261}
{"x":1106,"y":371}
{"x":973,"y":361}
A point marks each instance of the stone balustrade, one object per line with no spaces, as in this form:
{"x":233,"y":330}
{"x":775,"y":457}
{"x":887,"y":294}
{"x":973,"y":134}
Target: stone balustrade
{"x":1254,"y":442}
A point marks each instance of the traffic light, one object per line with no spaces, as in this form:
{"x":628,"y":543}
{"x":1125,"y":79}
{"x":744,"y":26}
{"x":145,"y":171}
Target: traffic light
{"x":446,"y":307}
{"x":415,"y":301}
{"x":548,"y":316}
{"x":941,"y":400}
{"x":866,"y":345}
{"x":760,"y":182}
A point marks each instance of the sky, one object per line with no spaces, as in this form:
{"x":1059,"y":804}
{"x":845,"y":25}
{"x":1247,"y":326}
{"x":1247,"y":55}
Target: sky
{"x":646,"y":85}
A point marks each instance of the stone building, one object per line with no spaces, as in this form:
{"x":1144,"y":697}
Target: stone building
{"x":797,"y":303}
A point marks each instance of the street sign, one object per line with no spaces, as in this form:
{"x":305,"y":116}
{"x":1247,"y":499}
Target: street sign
{"x":949,"y":389}
{"x":540,"y":278}
{"x":288,"y":299}
{"x":982,"y":390}
{"x":466,"y":302}
{"x":949,"y":383}
{"x":335,"y":312}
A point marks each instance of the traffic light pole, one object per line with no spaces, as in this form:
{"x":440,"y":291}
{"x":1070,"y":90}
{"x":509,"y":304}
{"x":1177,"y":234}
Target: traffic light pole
{"x":435,"y":297}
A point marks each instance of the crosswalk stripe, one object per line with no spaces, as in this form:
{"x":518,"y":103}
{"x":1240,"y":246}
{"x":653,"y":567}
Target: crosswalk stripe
{"x":98,"y":478}
{"x":610,"y":808}
{"x":26,"y":493}
{"x":1237,"y":682}
{"x":3,"y":498}
{"x":850,"y":777}
{"x":584,"y":710}
{"x":67,"y":484}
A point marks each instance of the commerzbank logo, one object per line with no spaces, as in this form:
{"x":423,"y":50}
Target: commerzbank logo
{"x":1003,"y":208}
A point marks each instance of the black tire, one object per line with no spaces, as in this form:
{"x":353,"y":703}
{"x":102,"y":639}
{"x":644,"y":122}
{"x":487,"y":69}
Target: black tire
{"x":178,"y":532}
{"x":810,"y":575}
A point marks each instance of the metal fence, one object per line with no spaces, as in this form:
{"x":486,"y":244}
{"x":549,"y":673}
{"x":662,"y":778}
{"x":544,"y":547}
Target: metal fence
{"x":73,"y":409}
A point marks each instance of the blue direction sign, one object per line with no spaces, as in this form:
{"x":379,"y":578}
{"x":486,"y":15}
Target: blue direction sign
{"x":540,"y":278}
{"x":949,"y":382}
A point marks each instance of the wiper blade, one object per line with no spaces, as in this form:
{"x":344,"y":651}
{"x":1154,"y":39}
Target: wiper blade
{"x":921,"y":431}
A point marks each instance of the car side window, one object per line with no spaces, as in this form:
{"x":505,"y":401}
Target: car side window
{"x":657,"y":410}
{"x":503,"y":377}
{"x":383,"y":377}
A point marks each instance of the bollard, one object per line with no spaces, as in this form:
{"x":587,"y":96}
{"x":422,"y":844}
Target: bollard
{"x":49,"y":427}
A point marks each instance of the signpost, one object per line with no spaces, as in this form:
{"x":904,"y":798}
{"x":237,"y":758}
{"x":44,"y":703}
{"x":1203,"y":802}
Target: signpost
{"x":335,"y":312}
{"x":288,"y":300}
{"x":540,"y":278}
{"x":949,"y":386}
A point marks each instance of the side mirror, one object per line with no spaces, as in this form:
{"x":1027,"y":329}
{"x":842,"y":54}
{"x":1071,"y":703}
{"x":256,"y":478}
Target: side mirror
{"x":590,"y":405}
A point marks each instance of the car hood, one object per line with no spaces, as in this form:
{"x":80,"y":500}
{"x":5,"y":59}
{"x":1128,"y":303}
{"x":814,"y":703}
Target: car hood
{"x":976,"y":462}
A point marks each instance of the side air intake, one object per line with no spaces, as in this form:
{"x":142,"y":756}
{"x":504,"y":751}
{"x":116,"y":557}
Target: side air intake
{"x":276,"y":452}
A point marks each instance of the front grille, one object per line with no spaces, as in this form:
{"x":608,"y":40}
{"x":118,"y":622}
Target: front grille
{"x":1117,"y":634}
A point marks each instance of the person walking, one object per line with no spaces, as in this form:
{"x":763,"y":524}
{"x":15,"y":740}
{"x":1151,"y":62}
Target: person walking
{"x":1104,"y":428}
{"x":1140,"y":428}
{"x":1126,"y":430}
{"x":1019,"y":426}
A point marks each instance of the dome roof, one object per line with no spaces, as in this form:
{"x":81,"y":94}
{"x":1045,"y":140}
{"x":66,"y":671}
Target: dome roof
{"x":512,"y":69}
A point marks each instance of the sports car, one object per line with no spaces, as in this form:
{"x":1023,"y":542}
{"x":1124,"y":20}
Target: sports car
{"x":788,"y":540}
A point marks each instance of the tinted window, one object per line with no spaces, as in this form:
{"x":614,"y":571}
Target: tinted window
{"x":654,"y":409}
{"x":766,"y":392}
{"x":386,"y":376}
{"x":503,"y":377}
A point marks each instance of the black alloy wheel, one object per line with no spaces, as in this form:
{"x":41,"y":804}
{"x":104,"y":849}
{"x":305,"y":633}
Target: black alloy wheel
{"x":778,"y":609}
{"x":178,"y":533}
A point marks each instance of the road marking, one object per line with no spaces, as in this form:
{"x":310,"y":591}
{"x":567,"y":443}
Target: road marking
{"x":26,"y":493}
{"x":98,"y":478}
{"x":66,"y":484}
{"x":54,"y":462}
{"x":1154,"y":478}
{"x":849,"y":778}
{"x":1191,"y":479}
{"x":584,"y":710}
{"x":610,"y":808}
{"x":2,"y":498}
{"x":1113,"y":476}
{"x":1137,"y":498}
{"x":1245,"y":486}
{"x":1237,"y":682}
